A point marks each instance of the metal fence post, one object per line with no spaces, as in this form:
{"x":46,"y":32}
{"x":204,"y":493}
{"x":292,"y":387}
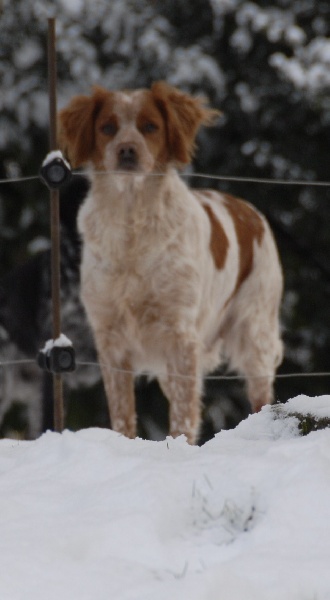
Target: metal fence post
{"x":55,"y":223}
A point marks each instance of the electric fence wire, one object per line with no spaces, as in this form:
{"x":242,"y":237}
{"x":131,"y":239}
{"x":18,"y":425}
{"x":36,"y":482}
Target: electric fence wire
{"x":231,"y":178}
{"x":12,"y":363}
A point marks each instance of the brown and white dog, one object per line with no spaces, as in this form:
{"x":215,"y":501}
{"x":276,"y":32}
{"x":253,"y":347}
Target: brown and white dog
{"x":174,"y":281}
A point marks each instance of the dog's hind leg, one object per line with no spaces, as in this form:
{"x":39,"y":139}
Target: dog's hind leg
{"x":255,"y":350}
{"x":266,"y":353}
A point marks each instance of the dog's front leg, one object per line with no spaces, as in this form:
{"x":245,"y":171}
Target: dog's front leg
{"x":119,"y":387}
{"x":182,"y":387}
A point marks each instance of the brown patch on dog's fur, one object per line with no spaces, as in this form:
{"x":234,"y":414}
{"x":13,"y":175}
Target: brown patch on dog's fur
{"x":156,"y":141}
{"x":249,"y":227}
{"x":76,"y":126}
{"x":219,"y":242}
{"x":183,"y":116}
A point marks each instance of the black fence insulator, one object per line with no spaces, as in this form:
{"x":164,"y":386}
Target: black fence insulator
{"x":57,"y":359}
{"x":55,"y":170}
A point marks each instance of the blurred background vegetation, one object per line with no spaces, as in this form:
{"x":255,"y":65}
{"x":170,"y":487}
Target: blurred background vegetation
{"x":265,"y":65}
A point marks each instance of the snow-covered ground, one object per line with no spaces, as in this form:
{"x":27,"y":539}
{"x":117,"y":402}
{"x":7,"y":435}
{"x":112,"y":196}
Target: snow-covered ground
{"x":94,"y":516}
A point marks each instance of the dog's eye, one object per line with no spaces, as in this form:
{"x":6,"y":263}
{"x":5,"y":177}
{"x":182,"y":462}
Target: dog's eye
{"x":109,"y":129}
{"x":149,"y":127}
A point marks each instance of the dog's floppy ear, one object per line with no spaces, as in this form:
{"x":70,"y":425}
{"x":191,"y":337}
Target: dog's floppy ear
{"x":76,"y":126}
{"x":183,"y":115}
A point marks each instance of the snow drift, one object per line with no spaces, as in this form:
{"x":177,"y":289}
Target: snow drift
{"x":95,"y":515}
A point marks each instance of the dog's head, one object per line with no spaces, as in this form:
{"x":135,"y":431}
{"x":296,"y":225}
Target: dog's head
{"x":139,"y":131}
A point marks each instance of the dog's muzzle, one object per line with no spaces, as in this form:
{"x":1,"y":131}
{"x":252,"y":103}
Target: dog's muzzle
{"x":127,"y":157}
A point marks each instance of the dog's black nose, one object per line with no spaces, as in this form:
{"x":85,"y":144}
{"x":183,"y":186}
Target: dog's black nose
{"x":127,"y":157}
